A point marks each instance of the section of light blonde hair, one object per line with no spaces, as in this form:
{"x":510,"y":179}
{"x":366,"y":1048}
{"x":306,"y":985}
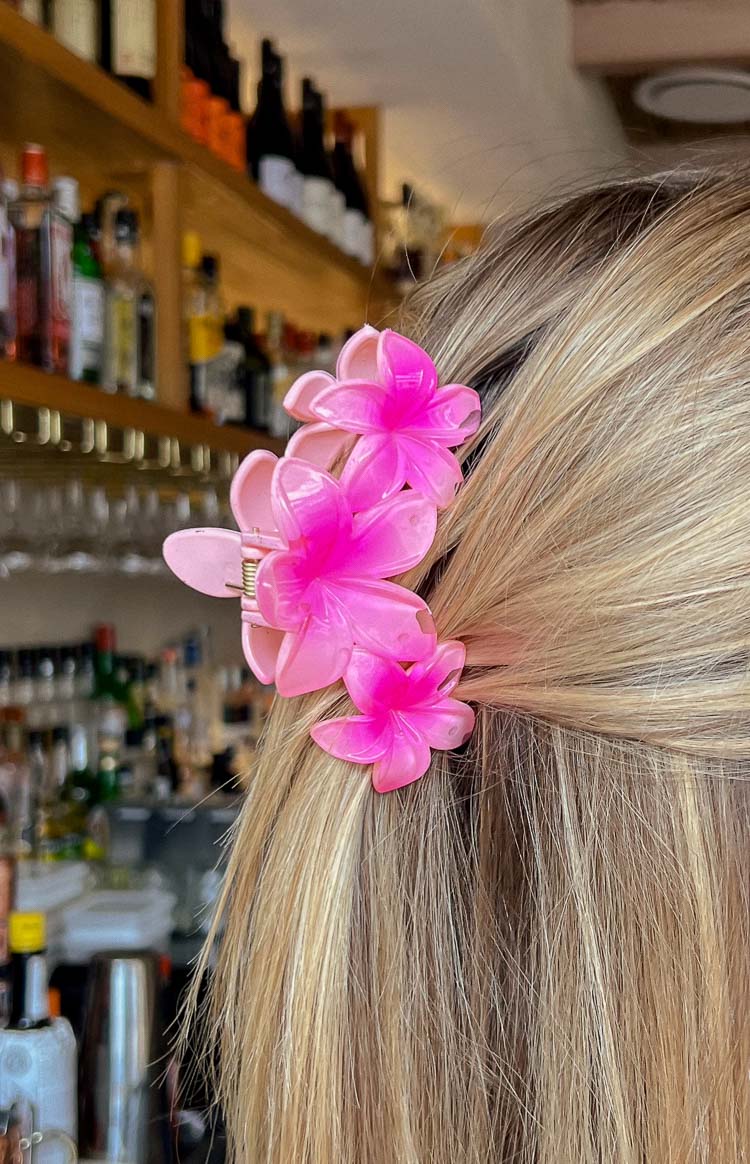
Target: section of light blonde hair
{"x":539,"y":953}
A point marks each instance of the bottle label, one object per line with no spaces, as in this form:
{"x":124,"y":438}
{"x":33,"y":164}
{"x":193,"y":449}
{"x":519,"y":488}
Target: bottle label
{"x":134,"y":38}
{"x":354,"y":221}
{"x":205,"y":338}
{"x":33,"y":10}
{"x":122,"y":341}
{"x":87,"y":331}
{"x":36,"y":1005}
{"x":317,"y":204}
{"x":277,"y":177}
{"x":74,"y":25}
{"x":4,"y":260}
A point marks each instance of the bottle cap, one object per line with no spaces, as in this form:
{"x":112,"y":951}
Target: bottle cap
{"x":105,"y":637}
{"x":27,"y":933}
{"x":210,"y":266}
{"x":34,"y":168}
{"x":192,"y":249}
{"x":67,"y":198}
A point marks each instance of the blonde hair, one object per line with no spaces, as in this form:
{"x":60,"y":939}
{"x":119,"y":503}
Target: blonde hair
{"x":540,"y":952}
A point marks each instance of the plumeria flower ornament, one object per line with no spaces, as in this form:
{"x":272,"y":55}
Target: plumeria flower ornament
{"x":315,"y":556}
{"x":385,"y":392}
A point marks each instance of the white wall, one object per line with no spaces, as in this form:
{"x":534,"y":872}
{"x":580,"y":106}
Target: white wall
{"x":482,"y":106}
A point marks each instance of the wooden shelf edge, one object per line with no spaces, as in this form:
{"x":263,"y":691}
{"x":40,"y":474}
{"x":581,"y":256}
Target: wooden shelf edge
{"x":165,"y":140}
{"x":30,"y":386}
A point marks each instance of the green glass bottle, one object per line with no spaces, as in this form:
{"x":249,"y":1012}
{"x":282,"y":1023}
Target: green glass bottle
{"x":87,"y":308}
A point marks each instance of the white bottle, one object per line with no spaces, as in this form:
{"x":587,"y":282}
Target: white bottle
{"x":38,"y":1061}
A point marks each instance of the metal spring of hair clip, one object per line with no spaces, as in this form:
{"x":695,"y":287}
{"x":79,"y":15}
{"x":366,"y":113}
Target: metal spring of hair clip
{"x":249,"y":570}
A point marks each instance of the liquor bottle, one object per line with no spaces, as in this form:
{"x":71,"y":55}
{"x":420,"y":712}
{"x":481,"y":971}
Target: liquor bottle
{"x":44,"y":239}
{"x":347,"y":182}
{"x":7,"y":895}
{"x":37,"y":11}
{"x":206,"y":326}
{"x":281,"y":377}
{"x":7,"y":274}
{"x":254,"y":372}
{"x":87,"y":315}
{"x":27,"y":940}
{"x":317,"y":187}
{"x":105,"y":213}
{"x":75,"y":24}
{"x":235,"y":142}
{"x":121,"y":309}
{"x":195,"y":90}
{"x":270,"y":145}
{"x":38,"y":780}
{"x":127,"y":44}
{"x":146,"y":311}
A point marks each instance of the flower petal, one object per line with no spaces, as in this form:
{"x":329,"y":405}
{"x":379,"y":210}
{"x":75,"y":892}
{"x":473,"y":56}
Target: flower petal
{"x":358,"y":359}
{"x":209,"y":560}
{"x":438,"y":675}
{"x":309,"y":504}
{"x":385,"y":618}
{"x":317,"y":443}
{"x":407,"y":372}
{"x":281,"y":584}
{"x":250,"y":493}
{"x":261,"y":645}
{"x":355,"y":406}
{"x":431,"y":470}
{"x":445,"y":725}
{"x":374,"y":470}
{"x":392,"y":536}
{"x":453,"y":415}
{"x":407,"y":760}
{"x":303,"y":392}
{"x":376,"y":684}
{"x":362,"y":739}
{"x":314,"y":656}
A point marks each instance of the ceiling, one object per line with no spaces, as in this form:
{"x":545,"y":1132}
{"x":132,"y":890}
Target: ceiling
{"x":482,"y":107}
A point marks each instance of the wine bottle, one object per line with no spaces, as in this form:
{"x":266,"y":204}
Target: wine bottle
{"x":75,"y":24}
{"x":270,"y":145}
{"x":317,"y":190}
{"x":27,"y":941}
{"x":356,"y":216}
{"x":127,"y":42}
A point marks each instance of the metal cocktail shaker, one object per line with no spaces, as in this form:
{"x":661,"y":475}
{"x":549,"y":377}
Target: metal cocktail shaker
{"x":122,"y":1114}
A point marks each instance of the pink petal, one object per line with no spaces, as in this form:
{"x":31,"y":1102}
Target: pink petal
{"x":261,"y":646}
{"x":407,"y":371}
{"x":392,"y":536}
{"x":250,"y":494}
{"x":431,"y":470}
{"x":375,"y":469}
{"x":359,"y":739}
{"x":315,"y":656}
{"x":358,"y":359}
{"x":209,"y":560}
{"x":317,"y":443}
{"x":453,"y":415}
{"x":407,"y":760}
{"x":375,"y":684}
{"x":356,"y":406}
{"x":303,"y":391}
{"x":309,"y":503}
{"x":438,"y":675}
{"x":386,"y":619}
{"x":445,"y":725}
{"x":281,"y":584}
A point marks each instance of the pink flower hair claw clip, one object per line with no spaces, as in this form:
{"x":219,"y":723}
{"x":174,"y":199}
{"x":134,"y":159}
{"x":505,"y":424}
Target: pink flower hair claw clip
{"x":315,"y":555}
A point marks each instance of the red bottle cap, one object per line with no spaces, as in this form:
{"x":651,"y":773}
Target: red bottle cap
{"x":34,"y":168}
{"x":105,"y":638}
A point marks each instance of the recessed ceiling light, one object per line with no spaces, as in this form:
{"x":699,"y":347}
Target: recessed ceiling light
{"x":702,"y":96}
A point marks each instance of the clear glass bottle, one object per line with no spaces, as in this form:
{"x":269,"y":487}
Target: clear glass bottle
{"x":44,"y":239}
{"x":121,"y":309}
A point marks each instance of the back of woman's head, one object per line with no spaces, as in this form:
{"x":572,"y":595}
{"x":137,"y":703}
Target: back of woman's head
{"x":539,"y":952}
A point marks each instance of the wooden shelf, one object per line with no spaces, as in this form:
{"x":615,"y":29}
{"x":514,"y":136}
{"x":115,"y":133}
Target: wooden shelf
{"x":89,"y":121}
{"x":30,"y":386}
